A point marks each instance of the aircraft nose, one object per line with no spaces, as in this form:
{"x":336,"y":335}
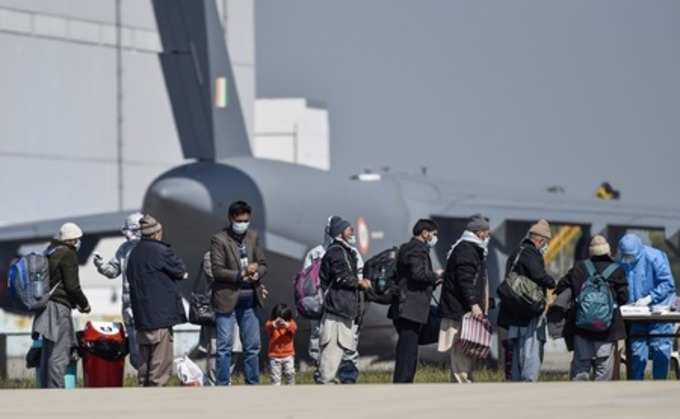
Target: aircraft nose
{"x":178,"y":193}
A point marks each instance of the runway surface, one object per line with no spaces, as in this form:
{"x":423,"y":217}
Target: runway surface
{"x":546,"y":401}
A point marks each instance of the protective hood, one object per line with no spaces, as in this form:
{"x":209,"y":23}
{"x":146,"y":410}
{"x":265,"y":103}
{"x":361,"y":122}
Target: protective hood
{"x":630,"y":244}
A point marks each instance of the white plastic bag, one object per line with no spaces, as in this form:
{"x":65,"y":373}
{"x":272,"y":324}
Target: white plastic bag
{"x":188,"y":372}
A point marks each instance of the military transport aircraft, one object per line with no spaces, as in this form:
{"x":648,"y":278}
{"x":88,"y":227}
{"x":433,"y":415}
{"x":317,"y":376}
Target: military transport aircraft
{"x":292,"y":203}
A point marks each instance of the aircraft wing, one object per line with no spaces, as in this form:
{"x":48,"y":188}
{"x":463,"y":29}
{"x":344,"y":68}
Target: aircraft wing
{"x":97,"y":225}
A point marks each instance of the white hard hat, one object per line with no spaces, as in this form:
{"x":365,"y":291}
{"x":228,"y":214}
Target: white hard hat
{"x":132,"y":221}
{"x":69,"y":231}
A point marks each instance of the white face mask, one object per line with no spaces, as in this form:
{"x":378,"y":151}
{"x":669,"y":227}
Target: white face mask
{"x":240,"y":228}
{"x":352,"y":240}
{"x":77,"y":245}
{"x":544,"y":249}
{"x":433,"y":241}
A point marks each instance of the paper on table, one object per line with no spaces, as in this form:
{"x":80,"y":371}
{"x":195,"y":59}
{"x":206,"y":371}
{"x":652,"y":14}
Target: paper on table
{"x":633,"y":310}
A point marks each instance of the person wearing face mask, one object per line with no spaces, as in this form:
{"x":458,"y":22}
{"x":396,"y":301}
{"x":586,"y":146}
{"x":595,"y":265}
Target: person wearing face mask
{"x":416,"y":280}
{"x":650,"y":283}
{"x":465,"y":290}
{"x":117,"y":267}
{"x":238,"y":266}
{"x":527,"y":331}
{"x":348,"y":372}
{"x":54,"y":323}
{"x":339,"y":278}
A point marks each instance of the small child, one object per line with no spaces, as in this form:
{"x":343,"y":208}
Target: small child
{"x":281,"y":329}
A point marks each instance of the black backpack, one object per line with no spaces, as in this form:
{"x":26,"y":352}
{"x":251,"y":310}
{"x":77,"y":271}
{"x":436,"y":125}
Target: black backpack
{"x":381,"y":269}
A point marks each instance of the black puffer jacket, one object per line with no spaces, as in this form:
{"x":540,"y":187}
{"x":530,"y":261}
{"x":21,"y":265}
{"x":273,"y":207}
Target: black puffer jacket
{"x":153,"y":271}
{"x":63,"y":262}
{"x":465,"y":281}
{"x":416,"y":281}
{"x":618,"y":285}
{"x":338,"y":275}
{"x":531,"y":265}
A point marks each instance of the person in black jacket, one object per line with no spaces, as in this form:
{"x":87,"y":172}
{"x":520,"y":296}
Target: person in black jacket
{"x":339,"y":279}
{"x":54,"y":323}
{"x":153,"y":271}
{"x":410,"y":312}
{"x":465,"y":290}
{"x":526,"y":331}
{"x":594,"y":351}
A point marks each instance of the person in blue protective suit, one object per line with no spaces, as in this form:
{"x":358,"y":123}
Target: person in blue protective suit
{"x":650,"y":282}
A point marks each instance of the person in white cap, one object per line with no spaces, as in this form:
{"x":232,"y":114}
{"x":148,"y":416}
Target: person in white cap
{"x":594,"y":345}
{"x":54,"y":323}
{"x":116,"y":267}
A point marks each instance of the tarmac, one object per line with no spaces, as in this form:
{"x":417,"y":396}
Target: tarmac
{"x":640,"y":400}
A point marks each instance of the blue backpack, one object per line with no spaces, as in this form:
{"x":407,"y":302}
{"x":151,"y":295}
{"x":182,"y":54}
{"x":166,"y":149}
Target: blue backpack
{"x":29,"y":281}
{"x":595,"y":304}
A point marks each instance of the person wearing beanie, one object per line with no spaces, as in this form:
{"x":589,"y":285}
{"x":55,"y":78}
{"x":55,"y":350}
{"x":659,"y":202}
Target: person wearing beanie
{"x":651,"y":283}
{"x":55,"y":323}
{"x":526,"y":328}
{"x":239,"y":268}
{"x":348,"y":372}
{"x":594,"y":352}
{"x":410,"y":312}
{"x":153,"y":270}
{"x":339,"y":277}
{"x":116,"y":267}
{"x":465,"y":290}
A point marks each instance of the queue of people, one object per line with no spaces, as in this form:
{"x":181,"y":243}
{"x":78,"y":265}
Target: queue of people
{"x":592,"y":293}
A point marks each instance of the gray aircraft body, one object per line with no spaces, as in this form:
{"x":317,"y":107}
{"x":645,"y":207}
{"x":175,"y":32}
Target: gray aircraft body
{"x":292,"y":203}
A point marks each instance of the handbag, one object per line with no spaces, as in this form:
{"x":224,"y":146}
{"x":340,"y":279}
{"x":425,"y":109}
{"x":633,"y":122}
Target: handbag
{"x":520,"y":294}
{"x":201,"y":311}
{"x":429,"y":333}
{"x":475,"y":336}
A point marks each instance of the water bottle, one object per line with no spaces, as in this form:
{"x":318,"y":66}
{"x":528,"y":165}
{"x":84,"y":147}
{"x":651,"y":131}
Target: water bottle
{"x":38,"y":287}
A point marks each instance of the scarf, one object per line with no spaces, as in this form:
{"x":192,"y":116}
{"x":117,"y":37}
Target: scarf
{"x":469,"y":236}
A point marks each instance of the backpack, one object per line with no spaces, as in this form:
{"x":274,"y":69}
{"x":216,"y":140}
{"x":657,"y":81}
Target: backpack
{"x":595,"y":304}
{"x":307,"y":291}
{"x":29,"y":281}
{"x":381,"y":269}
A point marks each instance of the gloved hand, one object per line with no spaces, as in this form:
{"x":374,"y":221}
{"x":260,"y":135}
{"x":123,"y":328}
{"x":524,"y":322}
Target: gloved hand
{"x":85,"y":310}
{"x":97,"y":259}
{"x":644,"y":301}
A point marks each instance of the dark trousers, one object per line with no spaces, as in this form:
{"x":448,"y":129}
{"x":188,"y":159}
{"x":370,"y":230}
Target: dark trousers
{"x":406,"y":357}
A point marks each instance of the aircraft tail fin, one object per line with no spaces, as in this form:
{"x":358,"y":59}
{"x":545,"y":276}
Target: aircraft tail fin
{"x":200,"y":80}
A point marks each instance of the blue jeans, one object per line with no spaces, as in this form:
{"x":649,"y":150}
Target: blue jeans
{"x":249,"y":325}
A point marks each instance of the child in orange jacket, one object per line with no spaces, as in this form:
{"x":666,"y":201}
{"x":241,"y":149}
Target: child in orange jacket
{"x":281,"y":329}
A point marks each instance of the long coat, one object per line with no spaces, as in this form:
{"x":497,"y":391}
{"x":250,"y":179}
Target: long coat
{"x":153,"y":271}
{"x":416,"y":280}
